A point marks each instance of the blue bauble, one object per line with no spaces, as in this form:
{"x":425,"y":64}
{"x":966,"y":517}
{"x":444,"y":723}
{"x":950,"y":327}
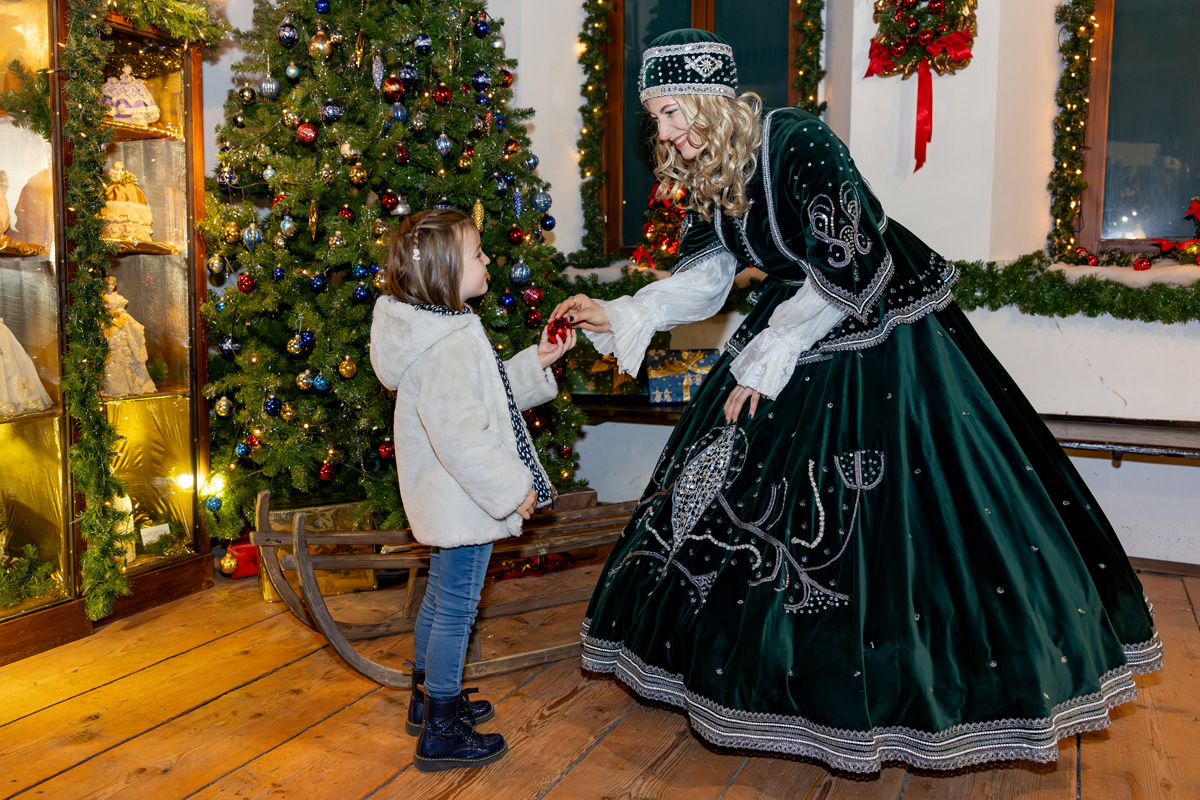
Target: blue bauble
{"x":287,"y":225}
{"x":520,"y":273}
{"x":482,"y":28}
{"x":320,"y":383}
{"x":510,"y":178}
{"x":272,"y":406}
{"x":268,"y":172}
{"x":482,"y":99}
{"x":548,"y":223}
{"x":498,"y":121}
{"x":242,"y":449}
{"x":501,"y":187}
{"x":322,"y":6}
{"x":542,"y":201}
{"x":518,"y":202}
{"x":318,"y":282}
{"x":443,"y":144}
{"x":423,"y":44}
{"x":229,"y":347}
{"x":444,"y":203}
{"x":221,"y":305}
{"x":213,"y":504}
{"x":408,"y":76}
{"x":361,"y":270}
{"x":331,"y":112}
{"x":361,"y":294}
{"x":227,"y":180}
{"x":481,"y":80}
{"x":374,"y":268}
{"x":292,"y":71}
{"x":307,"y":338}
{"x":287,"y":33}
{"x":399,"y":113}
{"x":279,"y":273}
{"x":508,"y":301}
{"x":268,"y":87}
{"x":530,"y":163}
{"x":251,"y":236}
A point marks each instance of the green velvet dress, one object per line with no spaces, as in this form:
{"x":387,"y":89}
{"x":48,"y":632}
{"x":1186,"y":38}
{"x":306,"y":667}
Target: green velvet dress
{"x":893,"y":560}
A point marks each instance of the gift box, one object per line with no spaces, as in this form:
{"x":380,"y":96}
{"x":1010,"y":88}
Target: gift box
{"x":673,"y":373}
{"x":589,"y":372}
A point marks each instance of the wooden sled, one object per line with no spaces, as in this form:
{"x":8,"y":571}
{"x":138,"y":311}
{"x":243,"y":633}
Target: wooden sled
{"x":547,"y":532}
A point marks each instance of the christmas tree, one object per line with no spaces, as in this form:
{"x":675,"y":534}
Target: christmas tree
{"x":351,"y":116}
{"x":664,"y":222}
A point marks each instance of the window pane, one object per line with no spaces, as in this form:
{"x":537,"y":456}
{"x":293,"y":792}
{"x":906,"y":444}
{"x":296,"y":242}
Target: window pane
{"x":1153,"y":149}
{"x":760,"y":47}
{"x":645,"y":20}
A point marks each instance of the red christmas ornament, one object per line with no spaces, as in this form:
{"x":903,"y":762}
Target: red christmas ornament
{"x":389,"y":200}
{"x":307,"y":132}
{"x":533,"y":319}
{"x":943,"y":29}
{"x":648,"y":229}
{"x":253,"y":441}
{"x":346,"y":213}
{"x":532,"y":295}
{"x":387,"y":450}
{"x":1092,"y":261}
{"x":393,"y":89}
{"x":558,"y":329}
{"x":1198,"y":259}
{"x":937,"y":6}
{"x":908,"y":3}
{"x":506,"y":79}
{"x":325,"y":473}
{"x":912,"y":24}
{"x":566,"y":450}
{"x":512,"y":146}
{"x":468,"y":149}
{"x":899,"y":16}
{"x":1081,"y":251}
{"x":280,"y":198}
{"x":898,"y":50}
{"x":246,"y":283}
{"x":401,"y":154}
{"x":924,"y":38}
{"x":516,"y":235}
{"x":442,"y":95}
{"x":1141,"y":263}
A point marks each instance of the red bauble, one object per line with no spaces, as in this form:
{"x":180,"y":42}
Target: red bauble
{"x":387,"y":450}
{"x":506,"y":79}
{"x":898,"y":50}
{"x":908,"y":3}
{"x":558,"y":329}
{"x":468,"y":149}
{"x":924,"y":38}
{"x":325,"y":473}
{"x":246,"y":283}
{"x":1198,"y":259}
{"x":393,"y":89}
{"x":533,"y":319}
{"x":512,"y":146}
{"x":401,"y":154}
{"x":943,"y":29}
{"x":442,"y":95}
{"x":1092,"y":261}
{"x":346,"y":213}
{"x":900,"y":16}
{"x":389,"y":200}
{"x":516,"y":235}
{"x":937,"y":6}
{"x":1141,"y":263}
{"x":280,"y":198}
{"x":253,"y":441}
{"x":307,"y":132}
{"x":532,"y":295}
{"x":1081,"y":251}
{"x":648,"y":229}
{"x":566,"y":450}
{"x":912,"y":24}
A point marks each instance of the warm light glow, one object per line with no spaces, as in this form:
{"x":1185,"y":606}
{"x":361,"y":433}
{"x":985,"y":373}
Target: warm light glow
{"x":214,"y":485}
{"x":184,"y":481}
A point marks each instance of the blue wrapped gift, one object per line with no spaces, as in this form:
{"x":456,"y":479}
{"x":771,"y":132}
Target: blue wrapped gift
{"x":673,"y":373}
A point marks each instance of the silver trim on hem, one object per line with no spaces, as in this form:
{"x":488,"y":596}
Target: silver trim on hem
{"x":1032,"y":739}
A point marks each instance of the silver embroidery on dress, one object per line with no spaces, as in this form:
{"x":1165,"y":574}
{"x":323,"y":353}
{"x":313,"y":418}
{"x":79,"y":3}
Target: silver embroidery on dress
{"x":844,"y":242}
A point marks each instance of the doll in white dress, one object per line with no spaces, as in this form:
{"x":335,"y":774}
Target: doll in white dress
{"x":21,"y":390}
{"x":125,"y":370}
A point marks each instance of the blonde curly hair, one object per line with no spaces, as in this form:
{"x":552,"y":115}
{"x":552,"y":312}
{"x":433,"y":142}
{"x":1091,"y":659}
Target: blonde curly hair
{"x":718,"y":174}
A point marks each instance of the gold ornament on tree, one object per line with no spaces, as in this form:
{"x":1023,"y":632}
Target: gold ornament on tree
{"x":231,"y":233}
{"x":228,"y":564}
{"x":288,"y":412}
{"x":319,"y":45}
{"x":348,"y":368}
{"x":477,"y":215}
{"x":358,"y":174}
{"x":312,"y":219}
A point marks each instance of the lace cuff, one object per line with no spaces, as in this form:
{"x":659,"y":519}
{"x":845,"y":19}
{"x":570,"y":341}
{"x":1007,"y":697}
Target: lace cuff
{"x":632,"y":328}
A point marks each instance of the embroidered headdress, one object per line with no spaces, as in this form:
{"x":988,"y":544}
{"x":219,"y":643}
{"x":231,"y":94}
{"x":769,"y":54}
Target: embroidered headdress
{"x":687,"y":61}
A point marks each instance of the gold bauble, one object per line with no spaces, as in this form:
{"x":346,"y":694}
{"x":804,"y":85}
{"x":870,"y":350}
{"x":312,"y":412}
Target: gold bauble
{"x":295,"y":346}
{"x":337,"y":239}
{"x":290,"y":118}
{"x":379,"y":227}
{"x":319,"y":45}
{"x":477,"y":215}
{"x":231,"y":233}
{"x":380,"y":281}
{"x":327,"y":174}
{"x":465,"y":163}
{"x":347,"y":368}
{"x":304,"y":379}
{"x":288,"y":412}
{"x":358,"y":174}
{"x":223,"y":406}
{"x":229,"y":564}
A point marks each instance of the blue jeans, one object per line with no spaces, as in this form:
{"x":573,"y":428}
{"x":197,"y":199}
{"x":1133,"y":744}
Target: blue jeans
{"x":444,"y":622}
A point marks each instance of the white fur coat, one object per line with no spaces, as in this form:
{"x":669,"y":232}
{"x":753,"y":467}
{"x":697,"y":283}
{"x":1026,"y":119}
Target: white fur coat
{"x":461,"y":477}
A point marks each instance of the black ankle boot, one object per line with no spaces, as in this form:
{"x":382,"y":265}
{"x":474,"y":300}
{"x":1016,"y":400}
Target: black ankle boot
{"x":447,"y":742}
{"x":471,"y":712}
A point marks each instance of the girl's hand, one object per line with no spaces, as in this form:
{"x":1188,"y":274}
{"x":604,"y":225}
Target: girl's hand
{"x":528,"y":505}
{"x":738,"y":398}
{"x":550,"y":351}
{"x":583,"y":311}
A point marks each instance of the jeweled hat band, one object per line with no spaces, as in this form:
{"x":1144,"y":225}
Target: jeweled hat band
{"x":692,"y":68}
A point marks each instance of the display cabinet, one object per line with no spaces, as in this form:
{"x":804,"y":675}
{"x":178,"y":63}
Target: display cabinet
{"x":153,"y":192}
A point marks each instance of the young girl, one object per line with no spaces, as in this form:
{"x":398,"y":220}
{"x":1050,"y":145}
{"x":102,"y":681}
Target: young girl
{"x":468,"y":473}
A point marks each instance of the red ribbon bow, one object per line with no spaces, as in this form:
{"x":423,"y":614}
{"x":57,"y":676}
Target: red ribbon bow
{"x":1166,"y":245}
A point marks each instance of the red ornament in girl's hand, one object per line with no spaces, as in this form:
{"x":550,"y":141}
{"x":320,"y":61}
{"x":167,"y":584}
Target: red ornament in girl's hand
{"x":558,"y":329}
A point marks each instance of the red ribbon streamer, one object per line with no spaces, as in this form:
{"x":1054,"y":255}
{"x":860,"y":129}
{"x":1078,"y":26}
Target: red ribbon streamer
{"x":924,"y":112}
{"x":1166,"y":245}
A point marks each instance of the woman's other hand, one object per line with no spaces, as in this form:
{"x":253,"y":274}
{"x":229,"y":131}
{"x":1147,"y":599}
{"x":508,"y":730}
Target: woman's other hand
{"x":583,"y":312}
{"x":737,"y":399}
{"x":551,"y":350}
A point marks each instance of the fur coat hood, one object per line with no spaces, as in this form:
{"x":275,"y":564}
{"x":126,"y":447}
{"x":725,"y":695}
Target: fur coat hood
{"x":461,"y":475}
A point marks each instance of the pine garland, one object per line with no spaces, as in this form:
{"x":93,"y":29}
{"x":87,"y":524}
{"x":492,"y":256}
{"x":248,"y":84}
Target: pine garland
{"x":187,"y":22}
{"x":1066,"y":183}
{"x":593,"y":39}
{"x":29,"y":104}
{"x":807,"y":58}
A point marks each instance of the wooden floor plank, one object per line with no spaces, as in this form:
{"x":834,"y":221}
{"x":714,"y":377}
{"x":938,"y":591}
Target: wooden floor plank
{"x":348,"y":755}
{"x":548,"y":724}
{"x":127,"y":645}
{"x":1150,"y":749}
{"x":651,"y":754}
{"x":807,"y":780}
{"x":48,"y":741}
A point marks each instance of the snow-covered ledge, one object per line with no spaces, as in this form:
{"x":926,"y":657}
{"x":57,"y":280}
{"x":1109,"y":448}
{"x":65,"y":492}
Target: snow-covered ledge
{"x":1169,"y":274}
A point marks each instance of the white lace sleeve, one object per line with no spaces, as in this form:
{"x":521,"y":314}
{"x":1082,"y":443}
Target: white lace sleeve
{"x":767,"y":362}
{"x":687,"y":296}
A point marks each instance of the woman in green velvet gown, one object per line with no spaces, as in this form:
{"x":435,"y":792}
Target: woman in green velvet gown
{"x":860,"y":544}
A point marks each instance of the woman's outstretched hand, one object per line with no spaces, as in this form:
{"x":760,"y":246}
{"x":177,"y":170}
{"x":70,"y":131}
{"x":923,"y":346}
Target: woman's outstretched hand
{"x":583,"y":312}
{"x":737,"y":399}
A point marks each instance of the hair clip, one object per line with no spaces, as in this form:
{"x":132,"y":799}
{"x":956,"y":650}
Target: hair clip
{"x":416,"y":254}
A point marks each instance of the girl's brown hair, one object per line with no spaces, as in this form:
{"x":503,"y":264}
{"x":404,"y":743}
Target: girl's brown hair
{"x":425,"y":258}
